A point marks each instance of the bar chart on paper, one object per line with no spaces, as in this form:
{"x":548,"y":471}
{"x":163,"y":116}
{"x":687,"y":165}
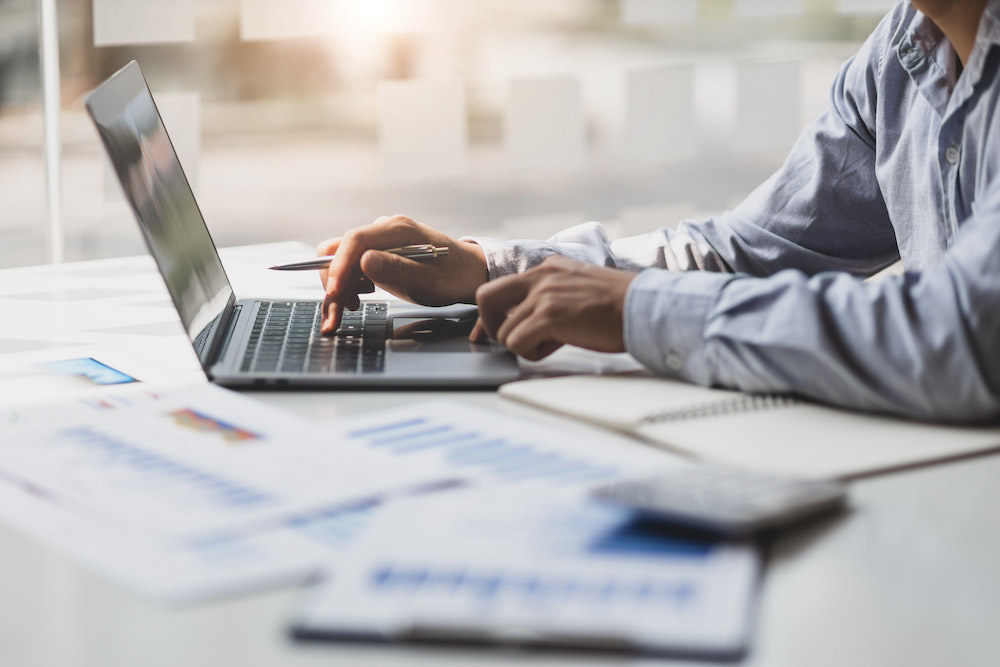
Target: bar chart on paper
{"x":188,"y":462}
{"x":102,"y":472}
{"x":530,"y":586}
{"x":470,"y":442}
{"x":483,"y":563}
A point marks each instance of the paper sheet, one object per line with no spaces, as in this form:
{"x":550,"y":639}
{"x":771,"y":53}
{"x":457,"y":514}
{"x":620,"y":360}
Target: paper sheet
{"x":183,"y":464}
{"x":454,"y":439}
{"x":732,"y":428}
{"x":167,"y":575}
{"x":395,"y":453}
{"x":59,"y":500}
{"x":499,"y":566}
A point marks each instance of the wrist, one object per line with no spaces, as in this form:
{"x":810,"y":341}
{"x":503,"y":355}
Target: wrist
{"x":478,"y":269}
{"x":620,"y":301}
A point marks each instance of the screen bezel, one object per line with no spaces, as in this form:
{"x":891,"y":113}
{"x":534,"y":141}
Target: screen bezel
{"x":105,"y":104}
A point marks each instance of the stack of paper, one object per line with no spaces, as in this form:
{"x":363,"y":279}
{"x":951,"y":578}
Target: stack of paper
{"x":187,"y":493}
{"x":190,"y":492}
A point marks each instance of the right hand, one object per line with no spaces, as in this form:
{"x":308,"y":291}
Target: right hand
{"x":438,"y":282}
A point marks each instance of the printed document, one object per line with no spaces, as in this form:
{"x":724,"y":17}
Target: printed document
{"x":193,"y":462}
{"x":534,"y":568}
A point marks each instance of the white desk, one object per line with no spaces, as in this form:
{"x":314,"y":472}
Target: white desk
{"x":910,"y":577}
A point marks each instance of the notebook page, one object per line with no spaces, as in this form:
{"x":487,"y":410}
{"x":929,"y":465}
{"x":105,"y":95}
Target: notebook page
{"x":620,"y":402}
{"x":814,"y":441}
{"x":801,"y":439}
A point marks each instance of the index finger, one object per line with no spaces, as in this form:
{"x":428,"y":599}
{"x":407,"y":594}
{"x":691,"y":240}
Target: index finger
{"x":327,"y":247}
{"x":498,"y":297}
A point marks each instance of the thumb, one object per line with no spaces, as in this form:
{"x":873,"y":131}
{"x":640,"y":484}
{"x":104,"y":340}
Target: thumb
{"x":386,"y":268}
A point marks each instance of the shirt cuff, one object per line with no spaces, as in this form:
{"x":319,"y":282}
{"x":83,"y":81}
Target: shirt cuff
{"x":498,"y":255}
{"x":504,"y":258}
{"x":666,"y":314}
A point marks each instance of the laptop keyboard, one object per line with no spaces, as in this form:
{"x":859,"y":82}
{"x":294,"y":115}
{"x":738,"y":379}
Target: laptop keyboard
{"x":286,"y":339}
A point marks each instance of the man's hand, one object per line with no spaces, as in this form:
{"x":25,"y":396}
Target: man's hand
{"x":562,"y":301}
{"x":441,"y":281}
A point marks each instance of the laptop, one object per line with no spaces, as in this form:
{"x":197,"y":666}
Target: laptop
{"x":267,"y":343}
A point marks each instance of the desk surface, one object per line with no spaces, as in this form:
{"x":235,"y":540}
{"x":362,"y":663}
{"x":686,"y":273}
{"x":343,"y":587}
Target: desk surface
{"x":910,"y":576}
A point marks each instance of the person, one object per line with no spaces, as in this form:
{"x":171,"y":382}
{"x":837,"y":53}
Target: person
{"x":770,"y":297}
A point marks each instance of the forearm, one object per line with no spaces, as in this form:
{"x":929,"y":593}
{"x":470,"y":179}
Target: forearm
{"x":916,"y":345}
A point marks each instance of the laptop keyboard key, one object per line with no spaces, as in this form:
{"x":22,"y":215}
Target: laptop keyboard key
{"x":285,"y":337}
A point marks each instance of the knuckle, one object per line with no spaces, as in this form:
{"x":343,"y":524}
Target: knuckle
{"x":403,"y":222}
{"x":546,"y":286}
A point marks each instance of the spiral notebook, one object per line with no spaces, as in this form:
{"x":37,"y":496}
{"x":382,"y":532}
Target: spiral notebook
{"x":769,"y":433}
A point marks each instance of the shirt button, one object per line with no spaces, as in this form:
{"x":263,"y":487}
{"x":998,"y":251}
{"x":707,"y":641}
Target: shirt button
{"x":674,"y":361}
{"x":951,"y":155}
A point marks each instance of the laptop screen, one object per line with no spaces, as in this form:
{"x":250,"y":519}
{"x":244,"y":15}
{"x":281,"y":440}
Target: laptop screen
{"x":155,"y":185}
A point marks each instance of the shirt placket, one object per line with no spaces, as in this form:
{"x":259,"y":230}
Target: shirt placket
{"x":949,"y":160}
{"x":915,"y":54}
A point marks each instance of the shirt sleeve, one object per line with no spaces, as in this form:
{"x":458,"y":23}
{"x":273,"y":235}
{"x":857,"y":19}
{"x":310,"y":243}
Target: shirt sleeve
{"x":920,"y":345}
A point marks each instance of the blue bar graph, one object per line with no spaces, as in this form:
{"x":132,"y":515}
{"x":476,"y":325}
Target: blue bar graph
{"x":183,"y":481}
{"x":637,"y":538}
{"x":382,"y":428}
{"x":464,"y":448}
{"x":337,"y":528}
{"x":410,"y":436}
{"x":489,"y":585}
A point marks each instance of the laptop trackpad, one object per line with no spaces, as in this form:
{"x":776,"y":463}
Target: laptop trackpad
{"x":436,"y":334}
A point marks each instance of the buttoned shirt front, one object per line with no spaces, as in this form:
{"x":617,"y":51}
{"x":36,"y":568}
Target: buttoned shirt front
{"x":769,"y":296}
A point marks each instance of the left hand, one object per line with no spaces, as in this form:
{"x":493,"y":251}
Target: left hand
{"x":560,"y":302}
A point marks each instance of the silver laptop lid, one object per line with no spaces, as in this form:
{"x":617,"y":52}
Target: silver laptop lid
{"x":155,"y":185}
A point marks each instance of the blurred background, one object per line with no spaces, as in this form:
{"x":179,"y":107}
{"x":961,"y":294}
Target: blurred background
{"x":298,"y":119}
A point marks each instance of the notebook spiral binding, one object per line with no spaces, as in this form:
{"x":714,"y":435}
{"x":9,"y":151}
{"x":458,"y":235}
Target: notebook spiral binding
{"x":749,"y":403}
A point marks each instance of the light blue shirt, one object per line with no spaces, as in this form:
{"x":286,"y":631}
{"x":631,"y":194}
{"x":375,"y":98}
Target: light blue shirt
{"x":770,"y":297}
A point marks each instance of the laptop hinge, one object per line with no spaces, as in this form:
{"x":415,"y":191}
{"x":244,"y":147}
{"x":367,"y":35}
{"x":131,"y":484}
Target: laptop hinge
{"x":227,"y":337}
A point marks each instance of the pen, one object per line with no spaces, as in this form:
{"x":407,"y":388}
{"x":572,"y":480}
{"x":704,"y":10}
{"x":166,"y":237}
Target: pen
{"x":420,"y":251}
